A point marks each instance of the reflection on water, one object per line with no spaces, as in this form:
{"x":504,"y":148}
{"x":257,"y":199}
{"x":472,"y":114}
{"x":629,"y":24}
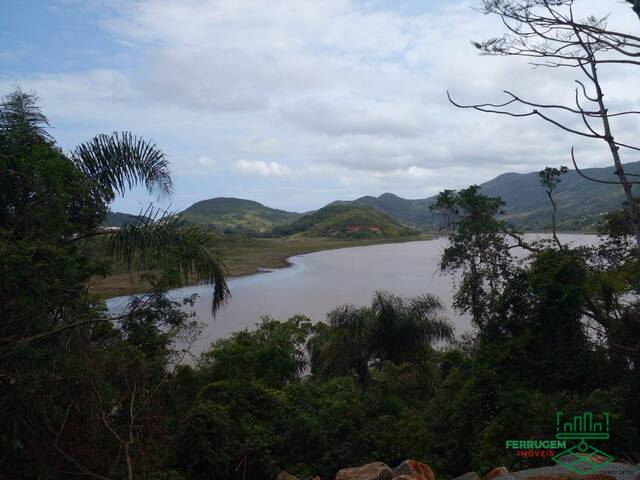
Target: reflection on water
{"x":317,"y":282}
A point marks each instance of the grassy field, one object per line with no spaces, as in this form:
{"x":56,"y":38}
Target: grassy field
{"x":244,"y":257}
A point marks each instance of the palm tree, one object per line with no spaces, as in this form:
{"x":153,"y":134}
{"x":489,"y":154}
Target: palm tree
{"x":110,"y":165}
{"x":54,"y":335}
{"x":390,"y":329}
{"x":403,"y":330}
{"x":343,"y":347}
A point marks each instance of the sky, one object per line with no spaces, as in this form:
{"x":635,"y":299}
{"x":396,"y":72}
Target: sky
{"x":296,"y":103}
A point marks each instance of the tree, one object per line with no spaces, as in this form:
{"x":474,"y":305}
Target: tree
{"x":77,"y":383}
{"x":550,"y":179}
{"x":391,"y":329}
{"x":344,"y":347}
{"x":405,"y":330}
{"x":61,"y":201}
{"x":548,"y":33}
{"x":477,"y":247}
{"x":273,"y":354}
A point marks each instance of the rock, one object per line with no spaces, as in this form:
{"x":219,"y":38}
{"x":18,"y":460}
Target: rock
{"x":468,"y":476}
{"x":370,"y":471}
{"x":611,"y":471}
{"x":574,"y":476}
{"x":285,"y":476}
{"x":414,"y":470}
{"x":496,"y":472}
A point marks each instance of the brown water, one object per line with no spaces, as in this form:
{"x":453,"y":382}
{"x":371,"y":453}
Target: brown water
{"x":317,"y":282}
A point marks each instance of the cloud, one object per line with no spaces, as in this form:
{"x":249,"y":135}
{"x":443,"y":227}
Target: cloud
{"x":260,"y":167}
{"x":342,"y":94}
{"x":206,"y":163}
{"x":344,"y":116}
{"x":264,"y":146}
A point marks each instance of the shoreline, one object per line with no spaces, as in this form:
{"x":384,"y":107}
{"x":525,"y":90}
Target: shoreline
{"x":252,"y":256}
{"x":248,"y":257}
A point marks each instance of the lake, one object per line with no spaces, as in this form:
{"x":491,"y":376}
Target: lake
{"x":317,"y":282}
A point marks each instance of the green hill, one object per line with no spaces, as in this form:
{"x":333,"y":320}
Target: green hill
{"x":409,"y":212}
{"x":338,"y":220}
{"x":581,"y":203}
{"x":235,"y":215}
{"x":118,"y":219}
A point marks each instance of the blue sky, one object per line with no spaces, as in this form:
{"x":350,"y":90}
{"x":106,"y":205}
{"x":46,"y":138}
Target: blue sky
{"x":291,"y":103}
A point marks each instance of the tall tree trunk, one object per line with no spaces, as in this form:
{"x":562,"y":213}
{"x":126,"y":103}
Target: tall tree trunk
{"x":554,"y":213}
{"x":477,"y":311}
{"x":634,"y":212}
{"x":127,"y":457}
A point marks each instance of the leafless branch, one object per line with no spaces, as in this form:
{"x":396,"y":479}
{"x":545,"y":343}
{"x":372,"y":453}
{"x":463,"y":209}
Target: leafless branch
{"x":591,"y":179}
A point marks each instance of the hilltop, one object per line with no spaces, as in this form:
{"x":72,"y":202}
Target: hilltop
{"x":581,"y":203}
{"x":235,"y":215}
{"x":345,"y":221}
{"x":410,"y":212}
{"x":118,"y":219}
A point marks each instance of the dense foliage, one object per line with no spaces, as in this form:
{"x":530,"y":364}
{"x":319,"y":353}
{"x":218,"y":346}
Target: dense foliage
{"x":79,"y":388}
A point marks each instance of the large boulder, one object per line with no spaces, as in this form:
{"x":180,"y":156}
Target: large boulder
{"x":468,"y":476}
{"x":496,"y":472}
{"x":415,"y":470}
{"x":611,"y":471}
{"x":370,"y":471}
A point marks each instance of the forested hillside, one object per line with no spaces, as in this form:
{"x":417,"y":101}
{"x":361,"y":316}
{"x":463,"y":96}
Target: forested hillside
{"x":345,"y":221}
{"x":235,"y":215}
{"x":581,"y":206}
{"x":581,"y":203}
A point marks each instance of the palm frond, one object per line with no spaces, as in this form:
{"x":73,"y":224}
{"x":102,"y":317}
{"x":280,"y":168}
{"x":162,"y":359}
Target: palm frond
{"x":170,"y":243}
{"x":635,"y":5}
{"x":120,"y":161}
{"x":425,"y":311}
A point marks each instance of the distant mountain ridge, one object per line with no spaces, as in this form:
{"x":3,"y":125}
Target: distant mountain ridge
{"x":119,"y":219}
{"x":581,"y":204}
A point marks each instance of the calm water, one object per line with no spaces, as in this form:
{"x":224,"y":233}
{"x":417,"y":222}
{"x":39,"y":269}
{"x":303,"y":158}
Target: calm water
{"x":317,"y":282}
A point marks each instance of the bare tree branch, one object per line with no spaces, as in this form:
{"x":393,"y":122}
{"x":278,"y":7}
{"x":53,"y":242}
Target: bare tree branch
{"x":591,"y":179}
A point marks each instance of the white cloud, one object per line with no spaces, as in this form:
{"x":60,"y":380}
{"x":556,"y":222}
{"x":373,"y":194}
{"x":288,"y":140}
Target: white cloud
{"x":327,"y":89}
{"x":206,"y":163}
{"x":264,"y":146}
{"x":348,"y":115}
{"x":260,"y":167}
